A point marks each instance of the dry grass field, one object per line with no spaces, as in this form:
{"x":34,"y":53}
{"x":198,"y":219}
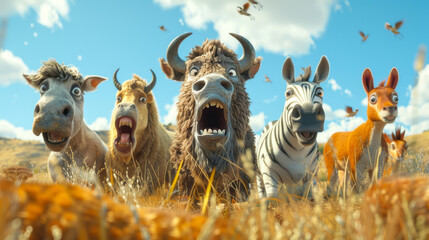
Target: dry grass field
{"x":395,"y":208}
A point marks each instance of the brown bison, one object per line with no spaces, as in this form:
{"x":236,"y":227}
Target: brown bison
{"x":58,"y":116}
{"x":213,"y":129}
{"x":138,"y":142}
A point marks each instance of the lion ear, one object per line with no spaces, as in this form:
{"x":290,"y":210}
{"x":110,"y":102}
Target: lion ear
{"x":169,"y":72}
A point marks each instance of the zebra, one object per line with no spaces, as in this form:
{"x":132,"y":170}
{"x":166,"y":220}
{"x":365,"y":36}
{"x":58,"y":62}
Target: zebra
{"x":287,"y":151}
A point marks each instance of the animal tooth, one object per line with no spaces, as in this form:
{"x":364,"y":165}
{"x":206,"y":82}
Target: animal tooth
{"x":205,"y":131}
{"x":222,"y":131}
{"x":215,"y":131}
{"x":207,"y":105}
{"x":221,"y":106}
{"x":201,"y":132}
{"x":209,"y":131}
{"x":213,"y":103}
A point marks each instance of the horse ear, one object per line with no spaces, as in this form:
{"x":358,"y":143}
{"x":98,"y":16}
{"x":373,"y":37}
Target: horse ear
{"x":367,"y":80}
{"x":322,"y":70}
{"x":91,"y":82}
{"x":288,"y":71}
{"x":393,"y":79}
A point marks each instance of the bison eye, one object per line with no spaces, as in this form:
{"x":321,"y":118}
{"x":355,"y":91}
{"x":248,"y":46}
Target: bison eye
{"x":232,"y":73}
{"x":395,"y":98}
{"x":193,"y":72}
{"x":76,"y":91}
{"x":43,"y":88}
{"x":288,"y":93}
{"x":119,"y":98}
{"x":320,"y":92}
{"x":373,"y":99}
{"x":142,"y":99}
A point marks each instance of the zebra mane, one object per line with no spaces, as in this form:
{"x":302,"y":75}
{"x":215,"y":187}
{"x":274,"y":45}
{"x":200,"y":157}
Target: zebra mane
{"x":306,"y":76}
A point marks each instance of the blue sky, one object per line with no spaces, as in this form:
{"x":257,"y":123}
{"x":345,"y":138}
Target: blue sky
{"x":99,"y":36}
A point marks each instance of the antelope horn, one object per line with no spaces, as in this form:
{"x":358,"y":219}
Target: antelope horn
{"x":173,"y":58}
{"x":150,"y":86}
{"x":115,"y":81}
{"x":246,"y":61}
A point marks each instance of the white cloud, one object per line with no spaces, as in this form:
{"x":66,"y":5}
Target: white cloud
{"x":334,"y":85}
{"x":32,"y":25}
{"x":346,"y":124}
{"x":364,"y":102}
{"x":257,"y":122}
{"x":25,"y":43}
{"x":170,"y":118}
{"x":348,"y":92}
{"x":270,"y":100}
{"x":181,"y":22}
{"x":333,"y":115}
{"x":49,"y":11}
{"x":11,"y":68}
{"x":100,"y":123}
{"x":79,"y":58}
{"x":8,"y":130}
{"x":35,"y":34}
{"x":288,"y":27}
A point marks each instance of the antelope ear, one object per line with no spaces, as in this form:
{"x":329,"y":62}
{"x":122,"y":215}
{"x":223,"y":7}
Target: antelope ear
{"x":386,"y":138}
{"x":288,"y":71}
{"x":367,"y":80}
{"x":393,"y":79}
{"x":169,"y":71}
{"x":91,"y":82}
{"x":322,"y":70}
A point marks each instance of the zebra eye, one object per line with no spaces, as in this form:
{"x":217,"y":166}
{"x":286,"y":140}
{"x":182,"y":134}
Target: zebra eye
{"x":43,"y":88}
{"x":373,"y":99}
{"x":395,"y":98}
{"x":76,"y":91}
{"x":288,"y":93}
{"x":232,"y":73}
{"x":193,"y":72}
{"x":320,"y":93}
{"x":142,"y":99}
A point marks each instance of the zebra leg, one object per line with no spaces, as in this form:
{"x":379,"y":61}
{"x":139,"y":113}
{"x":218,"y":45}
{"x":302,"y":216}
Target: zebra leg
{"x":261,"y":186}
{"x":270,"y":183}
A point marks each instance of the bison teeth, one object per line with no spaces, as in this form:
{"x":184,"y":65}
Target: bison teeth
{"x":215,"y":131}
{"x":210,"y":131}
{"x":214,"y":103}
{"x":222,"y":132}
{"x":126,"y":122}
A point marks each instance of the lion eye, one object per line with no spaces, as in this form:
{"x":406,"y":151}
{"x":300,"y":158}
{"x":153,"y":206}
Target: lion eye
{"x":373,"y":99}
{"x":232,"y":73}
{"x":142,"y":99}
{"x":77,"y":91}
{"x":193,"y":72}
{"x":288,"y":93}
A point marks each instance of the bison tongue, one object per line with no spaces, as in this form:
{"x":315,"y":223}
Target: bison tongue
{"x":55,"y":137}
{"x":125,"y":138}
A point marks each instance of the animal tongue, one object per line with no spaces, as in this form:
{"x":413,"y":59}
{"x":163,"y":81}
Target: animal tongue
{"x":55,"y":137}
{"x":306,"y":134}
{"x":125,"y":138}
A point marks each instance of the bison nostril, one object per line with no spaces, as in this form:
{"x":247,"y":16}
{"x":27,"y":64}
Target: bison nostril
{"x":227,"y":85}
{"x":37,"y":109}
{"x":199,"y":85}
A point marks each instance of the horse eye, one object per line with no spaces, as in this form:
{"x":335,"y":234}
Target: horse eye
{"x":77,"y":91}
{"x":142,"y":99}
{"x":193,"y":72}
{"x":395,"y":98}
{"x":393,"y":146}
{"x":232,"y":73}
{"x":43,"y":88}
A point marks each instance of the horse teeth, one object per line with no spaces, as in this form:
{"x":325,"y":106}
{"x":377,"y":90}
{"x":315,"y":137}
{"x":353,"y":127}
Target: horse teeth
{"x":221,"y":106}
{"x":213,"y":103}
{"x":215,"y":131}
{"x":205,"y":131}
{"x":209,"y":131}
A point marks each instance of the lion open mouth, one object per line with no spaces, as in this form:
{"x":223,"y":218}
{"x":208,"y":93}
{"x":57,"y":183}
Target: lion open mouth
{"x":213,"y":119}
{"x":125,"y":127}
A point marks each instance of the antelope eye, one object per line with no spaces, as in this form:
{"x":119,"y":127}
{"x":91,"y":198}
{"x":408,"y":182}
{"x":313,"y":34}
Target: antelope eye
{"x":43,"y":88}
{"x":373,"y":99}
{"x":119,"y":98}
{"x":392,"y":146}
{"x":232,"y":73}
{"x":142,"y":99}
{"x":193,"y":72}
{"x":76,"y":91}
{"x":395,"y":98}
{"x":288,"y":93}
{"x":320,"y":93}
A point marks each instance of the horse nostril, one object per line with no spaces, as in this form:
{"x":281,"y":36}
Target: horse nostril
{"x":37,"y":109}
{"x":199,"y":85}
{"x":66,"y":111}
{"x":226,"y":84}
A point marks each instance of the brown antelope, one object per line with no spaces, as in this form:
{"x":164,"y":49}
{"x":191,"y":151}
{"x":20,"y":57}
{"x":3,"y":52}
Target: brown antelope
{"x":364,"y":150}
{"x":397,"y":147}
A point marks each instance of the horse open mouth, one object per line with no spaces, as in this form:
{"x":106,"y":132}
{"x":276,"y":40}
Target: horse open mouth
{"x":307,"y":137}
{"x":53,"y":138}
{"x":125,"y":127}
{"x":213,"y":119}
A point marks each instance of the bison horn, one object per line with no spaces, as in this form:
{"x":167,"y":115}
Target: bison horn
{"x":173,"y":58}
{"x":115,"y":81}
{"x":150,"y":86}
{"x":246,"y":61}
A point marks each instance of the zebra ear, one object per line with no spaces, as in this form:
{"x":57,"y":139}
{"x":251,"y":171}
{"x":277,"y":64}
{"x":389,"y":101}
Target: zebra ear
{"x":322,"y":70}
{"x":288,"y":71}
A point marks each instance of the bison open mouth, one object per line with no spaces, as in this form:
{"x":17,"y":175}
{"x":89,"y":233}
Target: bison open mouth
{"x":213,"y":119}
{"x":54,"y":139}
{"x":125,"y":127}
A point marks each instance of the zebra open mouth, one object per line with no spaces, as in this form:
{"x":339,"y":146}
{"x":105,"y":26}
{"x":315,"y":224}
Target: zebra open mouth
{"x":307,"y":137}
{"x":125,"y":127}
{"x":212,"y":119}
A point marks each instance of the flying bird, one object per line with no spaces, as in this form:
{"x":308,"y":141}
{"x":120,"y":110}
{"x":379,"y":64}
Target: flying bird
{"x":243,"y":11}
{"x":267,"y":79}
{"x":394,"y":29}
{"x":350,"y":112}
{"x":364,"y":37}
{"x":256,"y":4}
{"x":162,"y":28}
